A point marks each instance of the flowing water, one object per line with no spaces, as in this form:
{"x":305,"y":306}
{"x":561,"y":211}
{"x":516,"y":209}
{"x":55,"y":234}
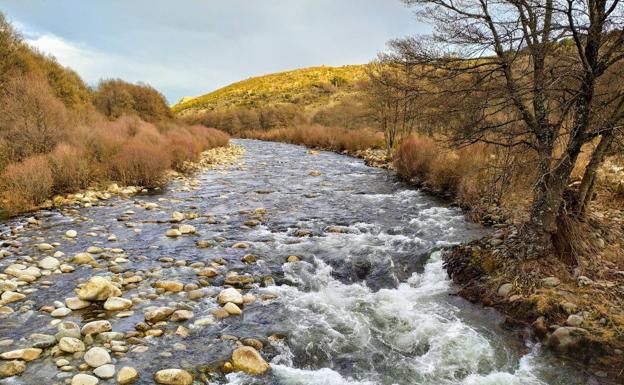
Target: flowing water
{"x":369,"y":302}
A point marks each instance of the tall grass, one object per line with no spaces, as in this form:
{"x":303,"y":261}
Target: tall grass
{"x":477,"y":177}
{"x":317,"y":136}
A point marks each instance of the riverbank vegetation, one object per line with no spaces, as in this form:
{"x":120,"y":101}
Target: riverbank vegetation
{"x":58,"y":135}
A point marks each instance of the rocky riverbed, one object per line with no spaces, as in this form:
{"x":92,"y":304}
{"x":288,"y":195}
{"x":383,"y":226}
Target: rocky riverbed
{"x":282,"y":266}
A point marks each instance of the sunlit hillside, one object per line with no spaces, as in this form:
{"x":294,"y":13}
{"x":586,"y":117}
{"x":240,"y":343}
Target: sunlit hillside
{"x":305,"y":87}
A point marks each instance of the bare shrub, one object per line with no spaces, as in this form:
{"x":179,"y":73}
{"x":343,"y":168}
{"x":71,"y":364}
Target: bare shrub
{"x":140,"y":163}
{"x":71,"y":168}
{"x":26,"y":184}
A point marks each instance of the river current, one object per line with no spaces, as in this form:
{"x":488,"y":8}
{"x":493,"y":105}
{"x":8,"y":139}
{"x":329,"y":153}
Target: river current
{"x":369,"y":302}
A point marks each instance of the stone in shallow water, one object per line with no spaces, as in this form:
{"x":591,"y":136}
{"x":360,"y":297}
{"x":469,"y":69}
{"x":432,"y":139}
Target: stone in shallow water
{"x":127,"y":375}
{"x":172,"y":286}
{"x":181,"y":315}
{"x":117,"y":304}
{"x":248,"y":360}
{"x":11,"y":368}
{"x":230,"y":295}
{"x":42,"y":341}
{"x":49,"y":263}
{"x":96,"y":327}
{"x":61,"y":312}
{"x":97,"y":357}
{"x":173,"y":377}
{"x":71,"y":345}
{"x":10,"y":297}
{"x":29,"y":354}
{"x":84,"y":379}
{"x":76,"y":303}
{"x":232,"y":309}
{"x":158,"y":314}
{"x":105,"y":371}
{"x":98,"y":289}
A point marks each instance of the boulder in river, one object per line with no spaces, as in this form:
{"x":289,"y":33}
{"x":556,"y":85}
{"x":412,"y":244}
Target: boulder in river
{"x":173,"y":377}
{"x":248,"y":360}
{"x":29,"y":354}
{"x":127,"y":375}
{"x":11,"y":368}
{"x":230,"y":295}
{"x":98,"y":289}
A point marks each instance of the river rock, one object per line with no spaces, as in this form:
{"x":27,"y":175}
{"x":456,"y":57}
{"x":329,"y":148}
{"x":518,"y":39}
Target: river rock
{"x":574,"y":320}
{"x":71,"y":233}
{"x":67,"y":329}
{"x":45,"y":247}
{"x":49,"y":263}
{"x":550,"y":282}
{"x":187,"y":229}
{"x":29,"y":354}
{"x":181,"y":315}
{"x":505,"y":289}
{"x":84,"y":379}
{"x":173,"y":233}
{"x":177,"y":216}
{"x":76,"y":303}
{"x":208,"y":272}
{"x":42,"y":341}
{"x":248,"y":360}
{"x":11,"y":368}
{"x":315,"y":173}
{"x":127,"y":375}
{"x":158,"y":314}
{"x":10,"y":297}
{"x":97,"y":357}
{"x":117,"y":304}
{"x":173,"y":377}
{"x":105,"y":371}
{"x":232,"y":309}
{"x":71,"y":345}
{"x":96,"y":327}
{"x":61,"y":312}
{"x":83,"y":259}
{"x":230,"y":295}
{"x":172,"y":286}
{"x":567,"y":338}
{"x":98,"y":289}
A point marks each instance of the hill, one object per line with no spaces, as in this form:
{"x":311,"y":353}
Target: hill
{"x":314,"y":86}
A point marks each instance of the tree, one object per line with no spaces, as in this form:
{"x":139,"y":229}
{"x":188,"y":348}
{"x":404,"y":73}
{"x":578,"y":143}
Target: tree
{"x":529,"y":73}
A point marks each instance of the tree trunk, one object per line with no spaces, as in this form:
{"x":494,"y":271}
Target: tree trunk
{"x":548,"y":200}
{"x":586,"y":189}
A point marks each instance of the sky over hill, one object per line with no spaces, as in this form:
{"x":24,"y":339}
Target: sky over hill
{"x":188,"y":47}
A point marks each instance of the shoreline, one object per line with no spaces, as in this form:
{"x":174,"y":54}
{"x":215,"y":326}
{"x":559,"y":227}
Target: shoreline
{"x":103,"y":191}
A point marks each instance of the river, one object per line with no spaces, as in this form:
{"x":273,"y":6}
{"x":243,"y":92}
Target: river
{"x":369,"y":301}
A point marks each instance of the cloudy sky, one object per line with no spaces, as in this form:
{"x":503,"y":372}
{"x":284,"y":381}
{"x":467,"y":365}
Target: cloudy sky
{"x":190,"y":47}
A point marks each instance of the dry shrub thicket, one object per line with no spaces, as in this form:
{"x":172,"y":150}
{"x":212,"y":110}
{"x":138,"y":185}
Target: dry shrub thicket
{"x":58,"y":136}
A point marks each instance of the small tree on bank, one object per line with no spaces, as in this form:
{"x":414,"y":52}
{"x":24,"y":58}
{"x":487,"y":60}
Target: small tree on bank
{"x":544,"y":75}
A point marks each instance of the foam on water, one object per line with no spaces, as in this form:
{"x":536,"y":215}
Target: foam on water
{"x":407,"y":335}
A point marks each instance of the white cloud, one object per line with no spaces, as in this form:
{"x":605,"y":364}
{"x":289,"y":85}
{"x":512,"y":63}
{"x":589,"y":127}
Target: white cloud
{"x":93,"y":65}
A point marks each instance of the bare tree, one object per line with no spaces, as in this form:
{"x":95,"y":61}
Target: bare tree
{"x":532,"y":73}
{"x":392,"y":98}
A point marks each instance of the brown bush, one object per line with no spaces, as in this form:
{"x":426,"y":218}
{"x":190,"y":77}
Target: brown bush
{"x":32,"y":120}
{"x":26,"y":184}
{"x":140,"y":163}
{"x":71,"y":168}
{"x":317,"y":136}
{"x":414,"y":157}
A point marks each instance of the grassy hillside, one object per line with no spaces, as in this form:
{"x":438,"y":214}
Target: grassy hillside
{"x":313,"y":86}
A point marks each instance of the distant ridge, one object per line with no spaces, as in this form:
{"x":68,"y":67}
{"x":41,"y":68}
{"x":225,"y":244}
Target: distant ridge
{"x":305,"y":87}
